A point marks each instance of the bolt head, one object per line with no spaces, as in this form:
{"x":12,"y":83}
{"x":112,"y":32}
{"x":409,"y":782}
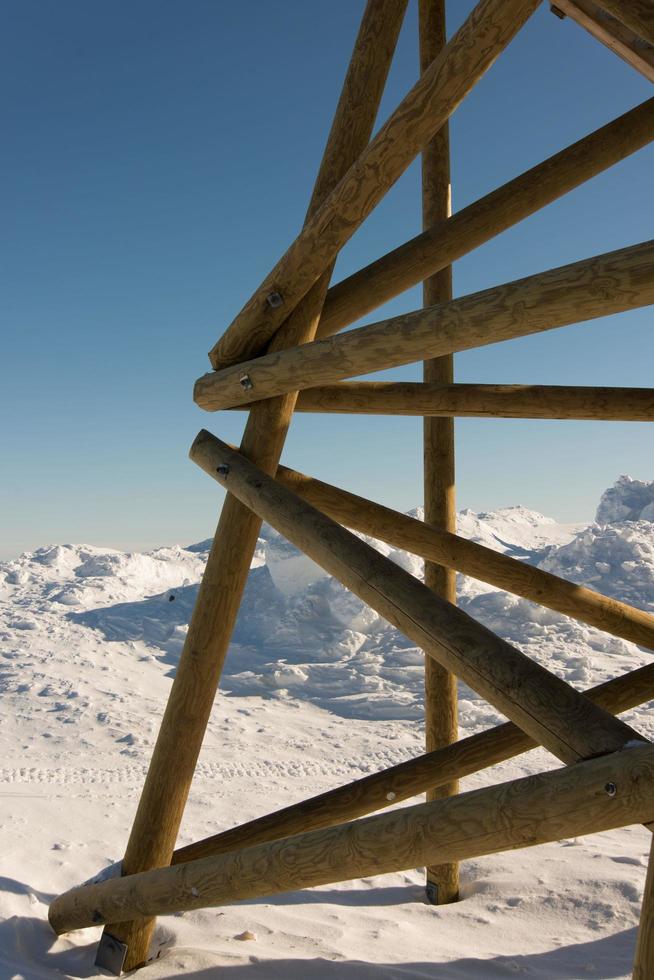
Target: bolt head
{"x":274,"y":300}
{"x":246,"y":382}
{"x":611,"y":789}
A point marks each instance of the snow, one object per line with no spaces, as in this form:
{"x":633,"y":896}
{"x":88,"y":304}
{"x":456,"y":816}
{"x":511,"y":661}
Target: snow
{"x":626,"y":500}
{"x":318,"y":690}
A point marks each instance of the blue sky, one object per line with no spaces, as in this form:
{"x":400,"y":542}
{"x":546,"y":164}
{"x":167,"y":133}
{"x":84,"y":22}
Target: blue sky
{"x":158,"y":158}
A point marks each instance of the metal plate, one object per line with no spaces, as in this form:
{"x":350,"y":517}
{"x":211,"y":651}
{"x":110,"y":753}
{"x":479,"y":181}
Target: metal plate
{"x":111,"y":954}
{"x":431,"y":891}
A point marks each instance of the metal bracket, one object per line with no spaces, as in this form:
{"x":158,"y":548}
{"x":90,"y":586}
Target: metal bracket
{"x":111,"y":954}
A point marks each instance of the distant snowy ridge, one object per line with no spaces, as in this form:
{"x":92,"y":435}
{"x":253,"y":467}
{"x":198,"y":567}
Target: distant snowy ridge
{"x":302,"y":635}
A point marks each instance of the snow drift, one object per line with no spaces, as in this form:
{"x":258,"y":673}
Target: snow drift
{"x":89,"y":640}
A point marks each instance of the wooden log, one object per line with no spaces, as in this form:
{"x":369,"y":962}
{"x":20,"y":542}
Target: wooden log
{"x":472,"y":50}
{"x":614,"y":34}
{"x":599,"y":286}
{"x":441,"y":710}
{"x":644,"y":961}
{"x":401,"y":782}
{"x":637,"y":15}
{"x":480,"y":221}
{"x":540,"y":703}
{"x":169,"y":777}
{"x":475,"y":560}
{"x":566,"y":802}
{"x":479,"y":401}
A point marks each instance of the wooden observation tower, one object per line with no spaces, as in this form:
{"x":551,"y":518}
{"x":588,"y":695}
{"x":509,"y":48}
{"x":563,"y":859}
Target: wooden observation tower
{"x":284,"y":353}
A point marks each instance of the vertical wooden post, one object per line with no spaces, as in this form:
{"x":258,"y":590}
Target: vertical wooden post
{"x":644,"y":961}
{"x":169,"y":777}
{"x":441,"y":723}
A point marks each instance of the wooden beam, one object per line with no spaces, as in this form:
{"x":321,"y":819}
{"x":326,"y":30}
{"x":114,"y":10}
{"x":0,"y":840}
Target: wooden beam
{"x":441,"y":709}
{"x":479,"y":401}
{"x":469,"y":228}
{"x":169,"y":777}
{"x":599,"y":286}
{"x":566,"y":802}
{"x":637,"y":15}
{"x":613,"y":33}
{"x":470,"y":52}
{"x":473,"y":559}
{"x":401,"y":782}
{"x":540,"y":703}
{"x":644,"y":961}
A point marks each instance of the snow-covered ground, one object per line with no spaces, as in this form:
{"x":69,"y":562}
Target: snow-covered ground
{"x":317,"y":691}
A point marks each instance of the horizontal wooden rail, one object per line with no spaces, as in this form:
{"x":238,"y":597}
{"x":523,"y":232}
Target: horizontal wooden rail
{"x":596,"y":795}
{"x":480,"y":221}
{"x":540,"y":703}
{"x":599,"y":286}
{"x":401,"y":782}
{"x":434,"y":97}
{"x":478,"y":401}
{"x":475,"y":560}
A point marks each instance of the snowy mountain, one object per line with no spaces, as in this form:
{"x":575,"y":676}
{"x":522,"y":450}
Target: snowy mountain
{"x":317,"y":689}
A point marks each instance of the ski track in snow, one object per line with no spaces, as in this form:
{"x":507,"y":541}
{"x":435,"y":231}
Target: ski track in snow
{"x":317,"y":691}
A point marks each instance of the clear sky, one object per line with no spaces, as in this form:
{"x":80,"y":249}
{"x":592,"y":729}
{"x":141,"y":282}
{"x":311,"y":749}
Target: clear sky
{"x":158,"y":158}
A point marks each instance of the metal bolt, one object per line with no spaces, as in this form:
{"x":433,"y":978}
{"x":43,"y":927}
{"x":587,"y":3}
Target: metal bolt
{"x":390,"y":796}
{"x":611,"y":789}
{"x":246,"y":382}
{"x":274,"y":300}
{"x":222,"y":470}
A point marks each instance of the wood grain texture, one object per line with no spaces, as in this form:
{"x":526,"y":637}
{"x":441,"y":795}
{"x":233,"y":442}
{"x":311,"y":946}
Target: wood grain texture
{"x":567,"y":802}
{"x":541,"y":704}
{"x":401,"y":782}
{"x":614,"y":34}
{"x":441,"y":711}
{"x":470,"y":52}
{"x":169,"y":777}
{"x":637,"y":15}
{"x":480,"y":221}
{"x":644,"y":960}
{"x":479,"y":401}
{"x":475,"y":560}
{"x":605,"y":284}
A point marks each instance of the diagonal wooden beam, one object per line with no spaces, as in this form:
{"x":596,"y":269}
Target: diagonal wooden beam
{"x":475,"y":560}
{"x":637,"y":15}
{"x":540,"y":703}
{"x":480,"y":221}
{"x":599,"y":286}
{"x":467,"y":56}
{"x":582,"y":402}
{"x":596,"y":795}
{"x":613,"y":33}
{"x":171,"y":769}
{"x":401,"y":782}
